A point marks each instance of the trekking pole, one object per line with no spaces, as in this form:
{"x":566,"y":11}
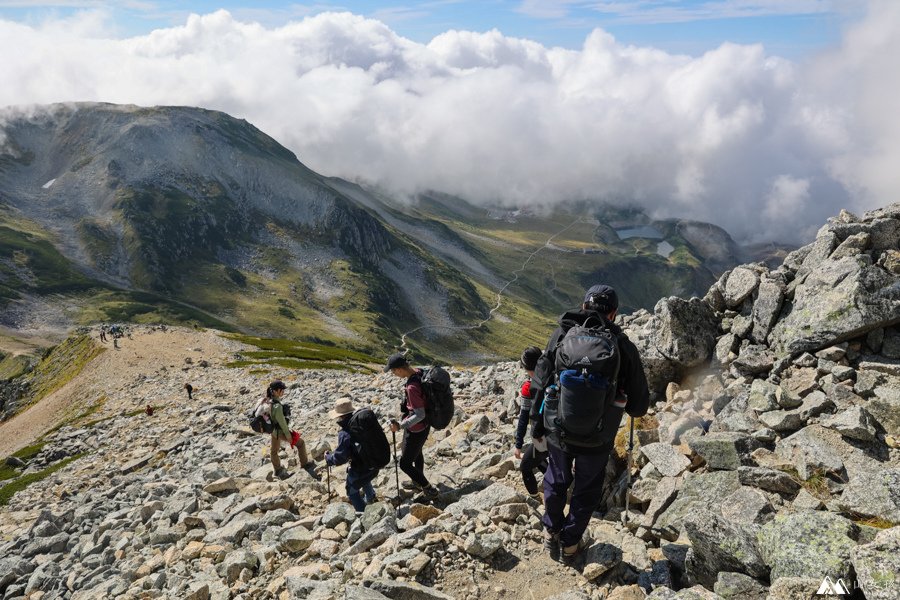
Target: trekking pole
{"x":328,"y":471}
{"x":396,"y":468}
{"x":628,"y":471}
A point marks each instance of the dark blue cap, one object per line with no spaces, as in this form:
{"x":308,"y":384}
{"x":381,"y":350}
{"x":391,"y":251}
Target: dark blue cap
{"x":602,"y":298}
{"x":396,"y":361}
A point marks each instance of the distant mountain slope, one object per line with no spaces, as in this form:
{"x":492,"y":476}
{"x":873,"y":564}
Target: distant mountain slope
{"x":171,"y":213}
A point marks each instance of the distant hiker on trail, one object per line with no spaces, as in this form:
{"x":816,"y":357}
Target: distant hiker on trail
{"x":190,"y":391}
{"x":533,"y":455}
{"x":103,"y":333}
{"x":362,"y":443}
{"x":414,"y":424}
{"x":589,"y":374}
{"x":282,"y":432}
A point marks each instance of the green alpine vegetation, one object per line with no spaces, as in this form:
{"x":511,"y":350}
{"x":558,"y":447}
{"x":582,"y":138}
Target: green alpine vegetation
{"x":244,"y":238}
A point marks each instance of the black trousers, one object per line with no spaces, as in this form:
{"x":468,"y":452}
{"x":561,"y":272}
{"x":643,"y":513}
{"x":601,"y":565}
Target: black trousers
{"x":531,"y":460}
{"x":412,"y":461}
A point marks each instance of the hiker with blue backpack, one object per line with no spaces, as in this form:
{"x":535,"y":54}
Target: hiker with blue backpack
{"x":589,"y":375}
{"x":363,"y":444}
{"x":415,"y":423}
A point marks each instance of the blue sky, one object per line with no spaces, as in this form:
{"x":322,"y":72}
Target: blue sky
{"x":788,"y":28}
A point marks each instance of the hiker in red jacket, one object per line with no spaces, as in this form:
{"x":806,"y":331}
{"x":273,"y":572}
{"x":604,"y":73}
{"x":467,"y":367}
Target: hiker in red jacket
{"x":414,"y":423}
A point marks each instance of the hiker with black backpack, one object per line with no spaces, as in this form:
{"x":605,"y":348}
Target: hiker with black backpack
{"x":279,"y":413}
{"x":362,"y":443}
{"x":589,"y":375}
{"x":414,"y":423}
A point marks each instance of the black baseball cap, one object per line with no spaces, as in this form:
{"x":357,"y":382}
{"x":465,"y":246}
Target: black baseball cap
{"x":530,"y":357}
{"x":602,"y":298}
{"x":396,"y":361}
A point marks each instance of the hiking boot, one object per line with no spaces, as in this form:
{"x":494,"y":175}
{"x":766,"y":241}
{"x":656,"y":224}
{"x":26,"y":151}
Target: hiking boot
{"x":310,"y":469}
{"x":569,"y":555}
{"x":372,"y":500}
{"x":282,"y":473}
{"x":551,"y":544}
{"x":431,"y":492}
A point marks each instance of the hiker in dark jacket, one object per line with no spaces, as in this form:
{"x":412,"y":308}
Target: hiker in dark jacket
{"x":359,"y":477}
{"x":533,"y":455}
{"x":583,"y":465}
{"x":414,"y":423}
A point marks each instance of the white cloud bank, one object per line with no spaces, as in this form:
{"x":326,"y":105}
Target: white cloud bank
{"x":764,"y":147}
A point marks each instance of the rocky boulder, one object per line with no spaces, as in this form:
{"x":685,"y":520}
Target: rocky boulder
{"x":808,"y":544}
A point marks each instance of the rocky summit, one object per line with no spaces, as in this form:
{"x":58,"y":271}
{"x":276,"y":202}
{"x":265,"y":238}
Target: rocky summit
{"x":768,"y":467}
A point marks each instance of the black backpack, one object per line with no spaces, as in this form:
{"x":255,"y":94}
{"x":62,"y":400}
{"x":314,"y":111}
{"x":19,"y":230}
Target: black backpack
{"x":259,"y":424}
{"x":371,"y":444}
{"x":587,"y":372}
{"x":438,"y":397}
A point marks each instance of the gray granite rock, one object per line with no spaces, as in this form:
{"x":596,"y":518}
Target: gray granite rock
{"x":854,"y":423}
{"x":699,"y":491}
{"x":810,"y":452}
{"x":767,"y":479}
{"x":599,"y":558}
{"x":494,"y":495}
{"x":754,"y":360}
{"x":884,"y":405}
{"x":295,"y":540}
{"x":685,"y":331}
{"x":338,"y":512}
{"x":663,"y":495}
{"x":310,"y":589}
{"x":401,"y":590}
{"x":724,"y":450}
{"x":763,"y":396}
{"x":483,"y":545}
{"x":717,"y":545}
{"x":875,"y":494}
{"x":805,"y":501}
{"x":377,"y":535}
{"x":838,"y":300}
{"x":794,"y":588}
{"x":666,"y":459}
{"x":808,"y":544}
{"x":747,"y":506}
{"x":766,"y":308}
{"x":740,"y":285}
{"x":235,"y":562}
{"x":358,"y":592}
{"x":877,"y":565}
{"x":738,"y":586}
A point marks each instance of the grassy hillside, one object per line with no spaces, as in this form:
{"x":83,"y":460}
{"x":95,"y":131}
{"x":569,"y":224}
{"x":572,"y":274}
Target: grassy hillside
{"x":30,"y":265}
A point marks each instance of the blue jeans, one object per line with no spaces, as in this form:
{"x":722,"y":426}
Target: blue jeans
{"x":360,"y":480}
{"x":586,"y":471}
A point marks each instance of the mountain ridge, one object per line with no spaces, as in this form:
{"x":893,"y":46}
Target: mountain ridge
{"x":204,"y":209}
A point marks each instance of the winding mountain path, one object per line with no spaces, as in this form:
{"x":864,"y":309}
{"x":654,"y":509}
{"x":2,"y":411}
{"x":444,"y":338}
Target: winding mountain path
{"x":515,"y":277}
